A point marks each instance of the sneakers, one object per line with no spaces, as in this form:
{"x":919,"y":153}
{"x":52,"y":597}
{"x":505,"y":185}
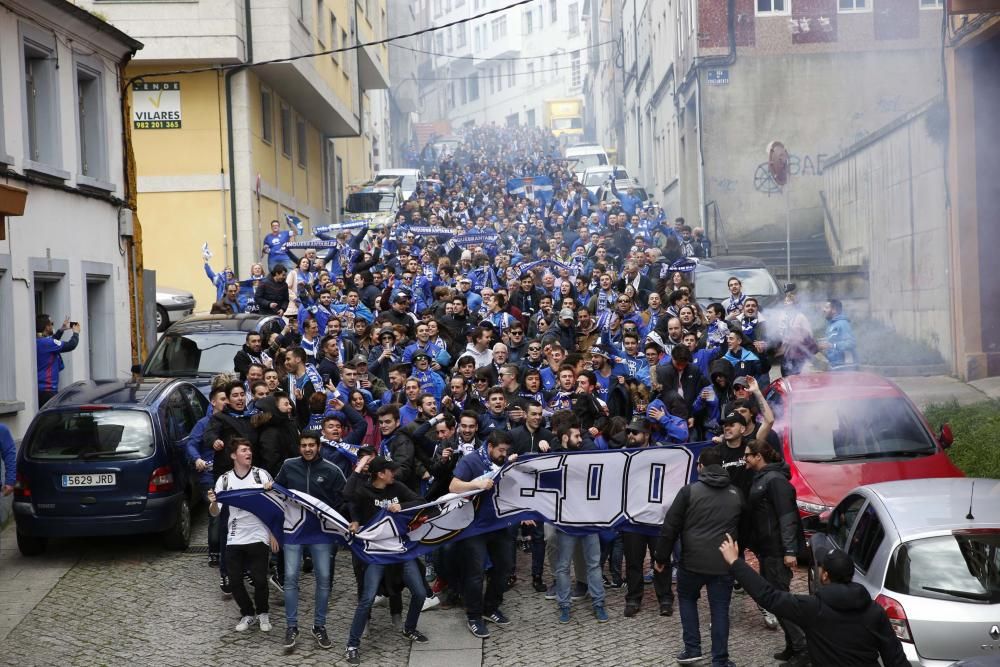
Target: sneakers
{"x":784,"y":654}
{"x":225,"y":586}
{"x":666,"y":610}
{"x":245,"y":623}
{"x":291,"y":634}
{"x":538,"y":585}
{"x":579,"y":591}
{"x":564,"y":614}
{"x":770,"y":620}
{"x":511,"y":582}
{"x":353,"y":656}
{"x":415,"y":636}
{"x":648,"y":577}
{"x":213,"y":560}
{"x":498,"y":617}
{"x":478,"y":628}
{"x":738,"y":587}
{"x":276,"y":583}
{"x":379,"y":600}
{"x":601,"y":614}
{"x":686,"y":657}
{"x":430,"y":603}
{"x":265,"y":622}
{"x":550,"y":592}
{"x":319,"y":634}
{"x":397,"y":622}
{"x":616,"y":582}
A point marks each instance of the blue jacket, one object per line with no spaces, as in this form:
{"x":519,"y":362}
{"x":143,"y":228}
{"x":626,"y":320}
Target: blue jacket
{"x":320,"y":479}
{"x":220,"y":280}
{"x":9,"y":454}
{"x":675,"y":429}
{"x":841,"y":338}
{"x":195,"y":449}
{"x":48,"y":351}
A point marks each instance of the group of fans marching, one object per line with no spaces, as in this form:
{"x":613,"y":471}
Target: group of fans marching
{"x":415,"y":360}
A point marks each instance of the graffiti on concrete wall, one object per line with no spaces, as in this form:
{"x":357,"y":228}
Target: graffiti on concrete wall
{"x":798,"y":165}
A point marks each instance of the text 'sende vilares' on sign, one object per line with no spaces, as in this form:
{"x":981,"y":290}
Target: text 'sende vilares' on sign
{"x":156,"y":105}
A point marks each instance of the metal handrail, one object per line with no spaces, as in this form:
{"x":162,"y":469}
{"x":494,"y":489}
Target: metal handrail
{"x":713,"y":214}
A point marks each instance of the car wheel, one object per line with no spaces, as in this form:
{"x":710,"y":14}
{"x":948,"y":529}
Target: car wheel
{"x":29,"y":545}
{"x":179,"y":535}
{"x":162,"y":319}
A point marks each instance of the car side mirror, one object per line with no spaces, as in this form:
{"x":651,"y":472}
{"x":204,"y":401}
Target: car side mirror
{"x":946,"y":437}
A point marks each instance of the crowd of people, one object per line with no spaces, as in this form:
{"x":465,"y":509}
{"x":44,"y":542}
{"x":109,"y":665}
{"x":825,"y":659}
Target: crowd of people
{"x":417,"y":359}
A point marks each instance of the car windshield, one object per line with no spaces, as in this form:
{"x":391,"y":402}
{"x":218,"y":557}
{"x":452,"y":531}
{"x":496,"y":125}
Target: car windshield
{"x":599,"y":177}
{"x":713,"y":284}
{"x":863,"y":428}
{"x":91,"y":434}
{"x":369,"y":202}
{"x":409,"y":180}
{"x":962,"y":566}
{"x":194,"y":354}
{"x":584,"y":162}
{"x":567,"y":123}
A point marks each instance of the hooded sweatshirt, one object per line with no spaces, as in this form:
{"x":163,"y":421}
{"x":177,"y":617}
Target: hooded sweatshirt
{"x":843,"y":626}
{"x":701,"y":515}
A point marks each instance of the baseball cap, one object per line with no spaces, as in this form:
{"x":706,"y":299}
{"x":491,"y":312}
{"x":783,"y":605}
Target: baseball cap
{"x":741,"y":381}
{"x":638,"y":425}
{"x":596,"y":349}
{"x":400,"y":296}
{"x":380,"y":463}
{"x":566,"y":314}
{"x":467,"y":254}
{"x":384,"y":331}
{"x":358,"y":360}
{"x":838,"y":565}
{"x":734,"y":418}
{"x":421,"y":355}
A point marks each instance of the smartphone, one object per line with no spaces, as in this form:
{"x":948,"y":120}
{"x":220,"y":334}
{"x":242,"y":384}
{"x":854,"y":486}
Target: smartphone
{"x":74,"y":324}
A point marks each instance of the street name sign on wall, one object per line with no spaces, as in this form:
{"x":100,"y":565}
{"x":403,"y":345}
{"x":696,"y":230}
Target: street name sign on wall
{"x":156,"y":105}
{"x":718,"y":77}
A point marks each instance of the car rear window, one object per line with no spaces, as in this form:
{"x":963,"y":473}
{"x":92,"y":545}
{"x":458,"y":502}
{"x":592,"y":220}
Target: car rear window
{"x":962,"y":566}
{"x":195,"y":354}
{"x":863,"y":428}
{"x":714,"y":284}
{"x":91,"y":434}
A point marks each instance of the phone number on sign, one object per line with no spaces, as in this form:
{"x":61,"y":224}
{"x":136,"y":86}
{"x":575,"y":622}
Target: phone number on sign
{"x":157,"y":125}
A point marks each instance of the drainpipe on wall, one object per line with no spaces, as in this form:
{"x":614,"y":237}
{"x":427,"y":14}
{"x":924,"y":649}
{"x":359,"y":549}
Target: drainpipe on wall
{"x":248,"y":49}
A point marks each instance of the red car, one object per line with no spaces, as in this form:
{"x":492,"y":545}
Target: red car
{"x":840,"y":430}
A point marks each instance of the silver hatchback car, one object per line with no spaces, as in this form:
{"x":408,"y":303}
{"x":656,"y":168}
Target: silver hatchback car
{"x":928,"y":551}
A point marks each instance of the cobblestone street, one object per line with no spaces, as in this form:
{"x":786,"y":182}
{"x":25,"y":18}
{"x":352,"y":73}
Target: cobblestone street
{"x":128,"y":602}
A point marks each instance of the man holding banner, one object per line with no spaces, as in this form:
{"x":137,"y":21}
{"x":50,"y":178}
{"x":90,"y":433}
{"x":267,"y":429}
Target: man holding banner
{"x":475,"y":472}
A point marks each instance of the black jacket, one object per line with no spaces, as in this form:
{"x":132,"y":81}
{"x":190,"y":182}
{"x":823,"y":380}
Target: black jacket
{"x":364,"y":500}
{"x":319,"y":478}
{"x":776,"y":529}
{"x":701,"y":515}
{"x":404,"y":452}
{"x":225,"y":426}
{"x":243,"y":359}
{"x":691,"y":380}
{"x":843,"y":626}
{"x":269,"y":291}
{"x":278,"y":435}
{"x":525,"y":442}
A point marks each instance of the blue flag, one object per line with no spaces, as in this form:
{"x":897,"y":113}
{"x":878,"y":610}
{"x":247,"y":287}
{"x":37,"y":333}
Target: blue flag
{"x":531,"y":188}
{"x":295,"y":223}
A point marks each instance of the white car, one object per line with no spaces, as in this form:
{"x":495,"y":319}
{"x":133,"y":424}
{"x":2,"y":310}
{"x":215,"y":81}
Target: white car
{"x":928,"y":552}
{"x":172,"y":305}
{"x":586,"y":156}
{"x":595,"y":177}
{"x":409,"y":176}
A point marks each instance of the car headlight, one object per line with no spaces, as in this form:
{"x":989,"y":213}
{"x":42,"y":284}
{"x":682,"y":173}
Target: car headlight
{"x":180,"y":299}
{"x":812,"y":508}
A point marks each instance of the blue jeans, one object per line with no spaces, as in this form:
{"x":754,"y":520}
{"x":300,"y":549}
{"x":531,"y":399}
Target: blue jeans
{"x":591,"y":545}
{"x":322,"y":554}
{"x":720,"y":591}
{"x":372,"y":577}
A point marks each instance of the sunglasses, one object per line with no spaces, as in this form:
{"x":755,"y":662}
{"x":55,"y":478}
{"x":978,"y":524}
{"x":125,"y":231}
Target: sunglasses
{"x":516,"y":333}
{"x":534,"y":349}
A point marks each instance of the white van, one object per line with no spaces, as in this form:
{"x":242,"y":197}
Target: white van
{"x":409,"y":176}
{"x":586,"y":155}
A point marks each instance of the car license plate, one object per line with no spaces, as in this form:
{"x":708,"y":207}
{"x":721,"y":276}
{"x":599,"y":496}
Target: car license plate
{"x":96,"y":479}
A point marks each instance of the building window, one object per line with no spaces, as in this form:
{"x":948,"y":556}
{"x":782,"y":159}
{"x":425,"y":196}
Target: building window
{"x":574,"y":63}
{"x":439,"y":40}
{"x":552,"y":11}
{"x":343,"y":44}
{"x":41,"y":102}
{"x":848,"y":6}
{"x":473,"y":87}
{"x":530,"y":118}
{"x":528,"y":21}
{"x":319,"y":24}
{"x":286,"y":131}
{"x":460,"y":37}
{"x":300,"y":140}
{"x":774,"y":7}
{"x":266,"y":116}
{"x":499,"y":27}
{"x":931,"y":4}
{"x":463,"y":93}
{"x":493,"y":85}
{"x":477,"y":38}
{"x":338,"y":191}
{"x":531,"y":74}
{"x":574,"y":18}
{"x":510,"y":73}
{"x":451,"y":40}
{"x":90,"y":123}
